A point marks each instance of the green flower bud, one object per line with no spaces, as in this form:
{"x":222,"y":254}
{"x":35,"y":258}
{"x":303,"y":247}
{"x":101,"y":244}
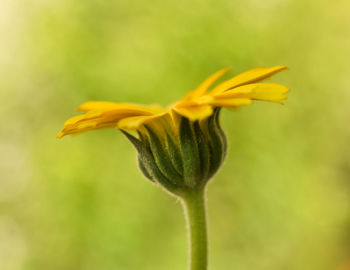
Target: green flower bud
{"x":183,"y":158}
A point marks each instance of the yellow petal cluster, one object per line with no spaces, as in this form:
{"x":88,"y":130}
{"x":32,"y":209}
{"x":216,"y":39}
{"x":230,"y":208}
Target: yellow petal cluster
{"x":196,"y":105}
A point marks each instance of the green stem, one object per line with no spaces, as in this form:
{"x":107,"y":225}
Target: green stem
{"x":195,"y":212}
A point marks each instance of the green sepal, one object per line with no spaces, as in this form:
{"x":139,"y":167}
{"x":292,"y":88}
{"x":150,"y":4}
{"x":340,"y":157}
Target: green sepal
{"x":174,"y":154}
{"x":162,"y":158}
{"x":217,"y":143}
{"x":143,"y":169}
{"x":203,"y":150}
{"x":144,"y":139}
{"x":221,"y":133}
{"x":149,"y":166}
{"x":190,"y":153}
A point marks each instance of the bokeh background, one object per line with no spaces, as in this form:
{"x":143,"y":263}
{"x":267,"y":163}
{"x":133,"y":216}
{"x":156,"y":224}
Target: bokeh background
{"x":282,"y":198}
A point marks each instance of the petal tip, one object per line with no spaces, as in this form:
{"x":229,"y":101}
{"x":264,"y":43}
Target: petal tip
{"x":82,"y":107}
{"x":282,"y":68}
{"x":60,"y":135}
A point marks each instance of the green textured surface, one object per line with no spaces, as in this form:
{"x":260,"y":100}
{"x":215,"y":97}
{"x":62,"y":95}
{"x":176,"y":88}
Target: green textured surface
{"x":282,"y":197}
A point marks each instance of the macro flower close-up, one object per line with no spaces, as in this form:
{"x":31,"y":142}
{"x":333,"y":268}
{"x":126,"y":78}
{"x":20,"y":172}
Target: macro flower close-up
{"x":181,"y":147}
{"x":174,"y":135}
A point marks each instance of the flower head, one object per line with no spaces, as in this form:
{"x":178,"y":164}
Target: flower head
{"x":182,"y":146}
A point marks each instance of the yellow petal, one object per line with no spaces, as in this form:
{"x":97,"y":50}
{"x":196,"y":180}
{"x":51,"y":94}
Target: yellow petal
{"x":86,"y":125}
{"x":258,"y":91}
{"x":106,"y":106}
{"x":133,"y":123}
{"x":203,"y":100}
{"x":233,"y":102}
{"x":195,"y":112}
{"x":99,"y":105}
{"x":77,"y":118}
{"x":250,"y":76}
{"x":203,"y":87}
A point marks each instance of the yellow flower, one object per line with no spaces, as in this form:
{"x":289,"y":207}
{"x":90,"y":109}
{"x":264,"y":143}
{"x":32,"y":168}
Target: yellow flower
{"x":196,"y":105}
{"x":182,"y":146}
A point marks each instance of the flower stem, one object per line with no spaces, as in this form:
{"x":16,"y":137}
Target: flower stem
{"x":195,"y":212}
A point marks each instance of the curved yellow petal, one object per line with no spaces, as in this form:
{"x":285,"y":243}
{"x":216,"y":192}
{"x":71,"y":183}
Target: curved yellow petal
{"x":99,"y":105}
{"x":195,"y":112}
{"x":203,"y":87}
{"x":134,"y":122}
{"x":77,"y":118}
{"x":258,"y":91}
{"x":83,"y":127}
{"x":106,"y":106}
{"x":250,"y":76}
{"x":233,"y":102}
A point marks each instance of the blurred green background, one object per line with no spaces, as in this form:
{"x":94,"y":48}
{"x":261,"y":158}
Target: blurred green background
{"x":282,"y":198}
